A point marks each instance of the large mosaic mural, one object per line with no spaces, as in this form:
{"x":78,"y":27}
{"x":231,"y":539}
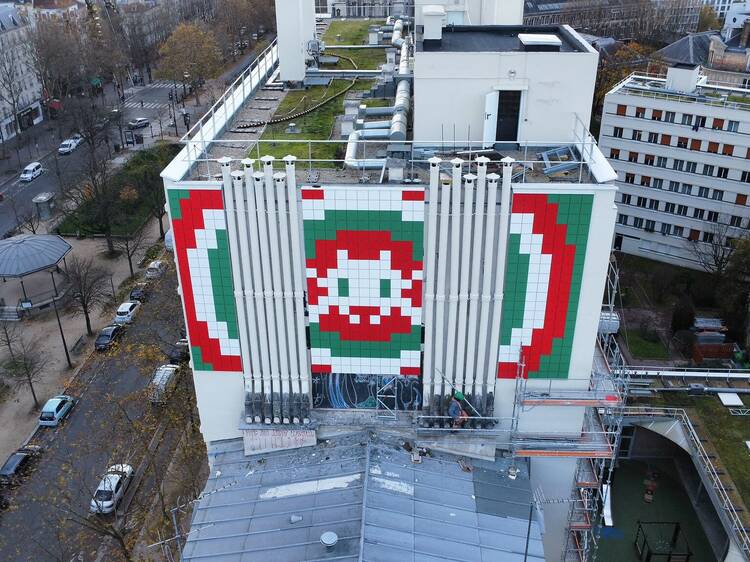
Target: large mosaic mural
{"x":546,"y":254}
{"x":205,"y":270}
{"x":364,"y":269}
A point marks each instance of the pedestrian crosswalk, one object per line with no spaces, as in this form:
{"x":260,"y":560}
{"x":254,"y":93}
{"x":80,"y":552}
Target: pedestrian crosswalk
{"x":146,"y":105}
{"x":161,"y":84}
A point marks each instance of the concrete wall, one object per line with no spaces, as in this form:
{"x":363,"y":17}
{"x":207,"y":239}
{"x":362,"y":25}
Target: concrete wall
{"x":450,"y":90}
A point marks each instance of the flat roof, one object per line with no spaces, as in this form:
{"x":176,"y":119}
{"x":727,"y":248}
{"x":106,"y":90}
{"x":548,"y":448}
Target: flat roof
{"x":498,"y":38}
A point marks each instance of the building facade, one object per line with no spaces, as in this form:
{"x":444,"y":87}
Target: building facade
{"x":20,"y":89}
{"x":680,"y":149}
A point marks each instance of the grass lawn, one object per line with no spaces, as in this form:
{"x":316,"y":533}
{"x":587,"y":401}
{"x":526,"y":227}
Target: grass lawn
{"x":644,"y":349}
{"x":365,"y":59}
{"x":353,"y":32}
{"x":315,"y":125}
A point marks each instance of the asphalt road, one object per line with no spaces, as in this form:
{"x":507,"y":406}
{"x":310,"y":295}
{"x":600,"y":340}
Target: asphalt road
{"x":95,"y":435}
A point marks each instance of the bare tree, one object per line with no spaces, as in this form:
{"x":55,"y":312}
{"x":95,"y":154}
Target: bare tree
{"x":88,"y":285}
{"x":26,"y":220}
{"x":714,"y":253}
{"x":130,"y":245}
{"x":26,"y":366}
{"x":11,"y":81}
{"x":9,"y":336}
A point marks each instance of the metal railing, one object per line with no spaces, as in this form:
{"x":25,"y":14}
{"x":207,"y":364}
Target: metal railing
{"x":728,"y":510}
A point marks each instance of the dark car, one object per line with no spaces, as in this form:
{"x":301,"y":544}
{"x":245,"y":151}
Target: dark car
{"x":107,"y":337}
{"x":139,"y":293}
{"x":18,"y":464}
{"x":179,"y":352}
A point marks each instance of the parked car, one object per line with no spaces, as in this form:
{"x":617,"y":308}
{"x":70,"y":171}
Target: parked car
{"x":179,"y":352}
{"x":111,"y":488}
{"x":55,"y":410}
{"x":31,"y":172}
{"x":126,"y":312}
{"x":155,"y":269}
{"x":107,"y":337}
{"x":139,"y":293}
{"x":69,"y":145}
{"x":162,"y":383}
{"x":138,"y":123}
{"x":18,"y":464}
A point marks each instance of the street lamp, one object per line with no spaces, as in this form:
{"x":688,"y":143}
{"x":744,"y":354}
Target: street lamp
{"x":117,"y":115}
{"x":185,"y":78}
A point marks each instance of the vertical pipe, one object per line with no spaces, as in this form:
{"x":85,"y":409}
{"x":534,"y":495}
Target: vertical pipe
{"x":476,"y":264}
{"x":277,"y":288}
{"x":445,"y":199}
{"x":247,"y":293}
{"x":497,"y":305}
{"x":298,"y":277}
{"x":464,"y":378}
{"x":283,"y":253}
{"x":428,"y":376}
{"x":486,"y":294}
{"x":455,"y":247}
{"x":265,"y":251}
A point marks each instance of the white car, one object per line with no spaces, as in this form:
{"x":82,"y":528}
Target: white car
{"x":55,"y":410}
{"x":126,"y":312}
{"x":111,"y":488}
{"x":69,"y":145}
{"x":155,"y":269}
{"x":138,"y":123}
{"x":31,"y":172}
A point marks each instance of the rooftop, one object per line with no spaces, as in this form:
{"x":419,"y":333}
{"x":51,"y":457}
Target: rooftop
{"x":10,"y":19}
{"x":368,"y":490}
{"x":691,"y":49}
{"x":498,"y":38}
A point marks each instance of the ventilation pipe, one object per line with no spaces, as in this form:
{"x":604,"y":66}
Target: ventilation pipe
{"x":396,"y":39}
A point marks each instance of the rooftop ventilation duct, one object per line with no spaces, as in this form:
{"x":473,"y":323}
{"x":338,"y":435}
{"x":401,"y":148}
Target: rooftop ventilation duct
{"x":682,"y":78}
{"x":433,"y":17}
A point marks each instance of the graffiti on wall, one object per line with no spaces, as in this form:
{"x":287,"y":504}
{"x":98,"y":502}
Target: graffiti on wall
{"x":361,"y":391}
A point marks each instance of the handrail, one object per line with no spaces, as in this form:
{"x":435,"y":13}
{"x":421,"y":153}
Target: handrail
{"x":705,"y":462}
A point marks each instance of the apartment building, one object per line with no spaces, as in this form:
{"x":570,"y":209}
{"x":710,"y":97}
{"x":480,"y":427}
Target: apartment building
{"x":681,"y":150}
{"x":20,"y":89}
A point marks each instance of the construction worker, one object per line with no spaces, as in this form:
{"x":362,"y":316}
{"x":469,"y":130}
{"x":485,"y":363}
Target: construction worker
{"x":456,"y":410}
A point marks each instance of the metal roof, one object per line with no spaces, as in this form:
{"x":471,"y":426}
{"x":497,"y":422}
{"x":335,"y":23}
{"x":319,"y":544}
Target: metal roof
{"x":28,"y":253}
{"x":365,"y":488}
{"x":691,"y":49}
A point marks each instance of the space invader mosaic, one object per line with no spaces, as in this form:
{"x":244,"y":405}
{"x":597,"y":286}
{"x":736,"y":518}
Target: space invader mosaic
{"x":546,"y":253}
{"x":205,"y":270}
{"x":364,"y":268}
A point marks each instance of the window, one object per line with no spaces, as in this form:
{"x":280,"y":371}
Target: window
{"x":669,"y":117}
{"x":641,"y":202}
{"x":695,"y":144}
{"x":703,"y":192}
{"x":722,"y":172}
{"x":621,"y":109}
{"x":733,"y":126}
{"x":713,"y":147}
{"x":686,"y":189}
{"x":617,"y":133}
{"x":666,"y":140}
{"x":674,"y":186}
{"x":708,"y":237}
{"x":653,"y":138}
{"x":626,"y":199}
{"x":636,"y":135}
{"x":727,"y":149}
{"x":717,"y":124}
{"x":638,"y":222}
{"x":682,"y":210}
{"x":735,"y":221}
{"x":666,"y":229}
{"x":629,"y":178}
{"x":632,"y":157}
{"x":682,"y":142}
{"x":648,"y":159}
{"x":640,"y":112}
{"x":645,"y":181}
{"x":653,"y":204}
{"x":708,"y":170}
{"x":661,"y":161}
{"x":687,"y":119}
{"x":614,"y":153}
{"x":678,"y":164}
{"x":745,"y":176}
{"x":678,"y":231}
{"x":712,"y":216}
{"x":658,"y":183}
{"x":691,"y":167}
{"x":717,"y":195}
{"x":669,"y":208}
{"x":699,"y":214}
{"x":650,"y":226}
{"x":656,"y":114}
{"x":741,"y":199}
{"x":700,"y":121}
{"x":622,"y":219}
{"x":693,"y":236}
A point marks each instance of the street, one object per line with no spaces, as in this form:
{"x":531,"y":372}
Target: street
{"x":97,"y":433}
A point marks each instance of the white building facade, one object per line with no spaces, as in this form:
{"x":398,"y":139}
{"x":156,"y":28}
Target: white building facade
{"x":681,"y":151}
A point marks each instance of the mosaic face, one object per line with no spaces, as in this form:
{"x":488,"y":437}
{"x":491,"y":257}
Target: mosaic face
{"x":364,"y":268}
{"x":546,"y":254}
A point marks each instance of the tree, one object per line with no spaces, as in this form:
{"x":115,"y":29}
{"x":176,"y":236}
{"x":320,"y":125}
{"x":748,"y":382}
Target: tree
{"x":618,"y":66}
{"x":190,"y":55}
{"x":9,"y":336}
{"x":708,"y":19}
{"x":683,"y":314}
{"x":26,"y":365}
{"x":88,"y":285}
{"x":714,"y":252}
{"x":130,"y":245}
{"x":26,"y":220}
{"x":11,"y":81}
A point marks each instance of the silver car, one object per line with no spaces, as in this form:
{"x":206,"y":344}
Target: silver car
{"x":55,"y":410}
{"x":111,"y":488}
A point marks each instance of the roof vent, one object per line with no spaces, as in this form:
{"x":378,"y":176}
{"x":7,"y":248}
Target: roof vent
{"x":329,"y":540}
{"x":540,"y":41}
{"x":433,"y":24}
